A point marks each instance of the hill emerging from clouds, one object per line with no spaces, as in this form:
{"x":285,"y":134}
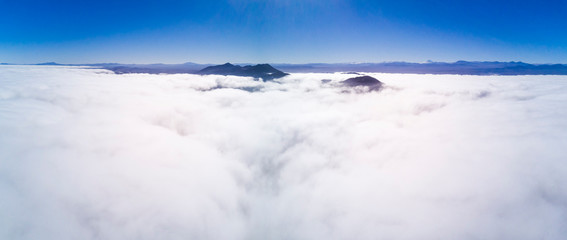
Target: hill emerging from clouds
{"x":263,"y":71}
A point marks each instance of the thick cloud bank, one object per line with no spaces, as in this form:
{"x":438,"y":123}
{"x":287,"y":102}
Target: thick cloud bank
{"x":87,"y":154}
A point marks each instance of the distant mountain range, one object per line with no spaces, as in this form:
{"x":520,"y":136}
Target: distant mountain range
{"x":460,"y":67}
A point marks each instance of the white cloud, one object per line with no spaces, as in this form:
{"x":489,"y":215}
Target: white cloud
{"x":86,"y":154}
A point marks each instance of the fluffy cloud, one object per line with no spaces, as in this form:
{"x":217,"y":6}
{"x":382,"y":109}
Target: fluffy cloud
{"x":87,"y":154}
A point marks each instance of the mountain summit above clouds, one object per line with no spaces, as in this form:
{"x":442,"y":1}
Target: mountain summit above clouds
{"x":264,"y":71}
{"x":371,"y":83}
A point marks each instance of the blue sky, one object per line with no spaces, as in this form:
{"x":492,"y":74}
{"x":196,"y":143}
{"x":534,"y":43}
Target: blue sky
{"x":282,"y":31}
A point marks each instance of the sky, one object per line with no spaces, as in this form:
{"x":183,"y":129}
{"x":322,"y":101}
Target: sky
{"x":282,"y":31}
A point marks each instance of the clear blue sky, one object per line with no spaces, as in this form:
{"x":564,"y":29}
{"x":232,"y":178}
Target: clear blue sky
{"x":282,"y":31}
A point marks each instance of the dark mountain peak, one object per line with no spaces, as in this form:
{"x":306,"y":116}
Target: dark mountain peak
{"x":363,"y":81}
{"x":263,"y":65}
{"x":225,"y":69}
{"x":264,"y":71}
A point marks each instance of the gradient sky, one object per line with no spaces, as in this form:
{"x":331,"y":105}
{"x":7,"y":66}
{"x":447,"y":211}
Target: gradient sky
{"x":282,"y":31}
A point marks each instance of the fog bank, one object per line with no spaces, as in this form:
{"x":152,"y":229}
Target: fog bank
{"x":88,"y":154}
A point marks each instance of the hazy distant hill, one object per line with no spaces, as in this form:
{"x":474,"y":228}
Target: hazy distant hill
{"x":154,"y":68}
{"x":49,"y":64}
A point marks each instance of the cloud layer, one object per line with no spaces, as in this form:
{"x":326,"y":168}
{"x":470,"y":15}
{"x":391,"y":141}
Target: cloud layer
{"x":87,"y":154}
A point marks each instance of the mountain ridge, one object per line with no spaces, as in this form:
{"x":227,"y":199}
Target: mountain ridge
{"x":459,"y":67}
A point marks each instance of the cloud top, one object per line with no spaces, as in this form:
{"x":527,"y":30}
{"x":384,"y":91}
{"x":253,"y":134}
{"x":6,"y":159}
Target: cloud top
{"x":87,"y":154}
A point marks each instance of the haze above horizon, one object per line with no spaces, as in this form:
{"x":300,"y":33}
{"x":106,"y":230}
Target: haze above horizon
{"x":282,"y":31}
